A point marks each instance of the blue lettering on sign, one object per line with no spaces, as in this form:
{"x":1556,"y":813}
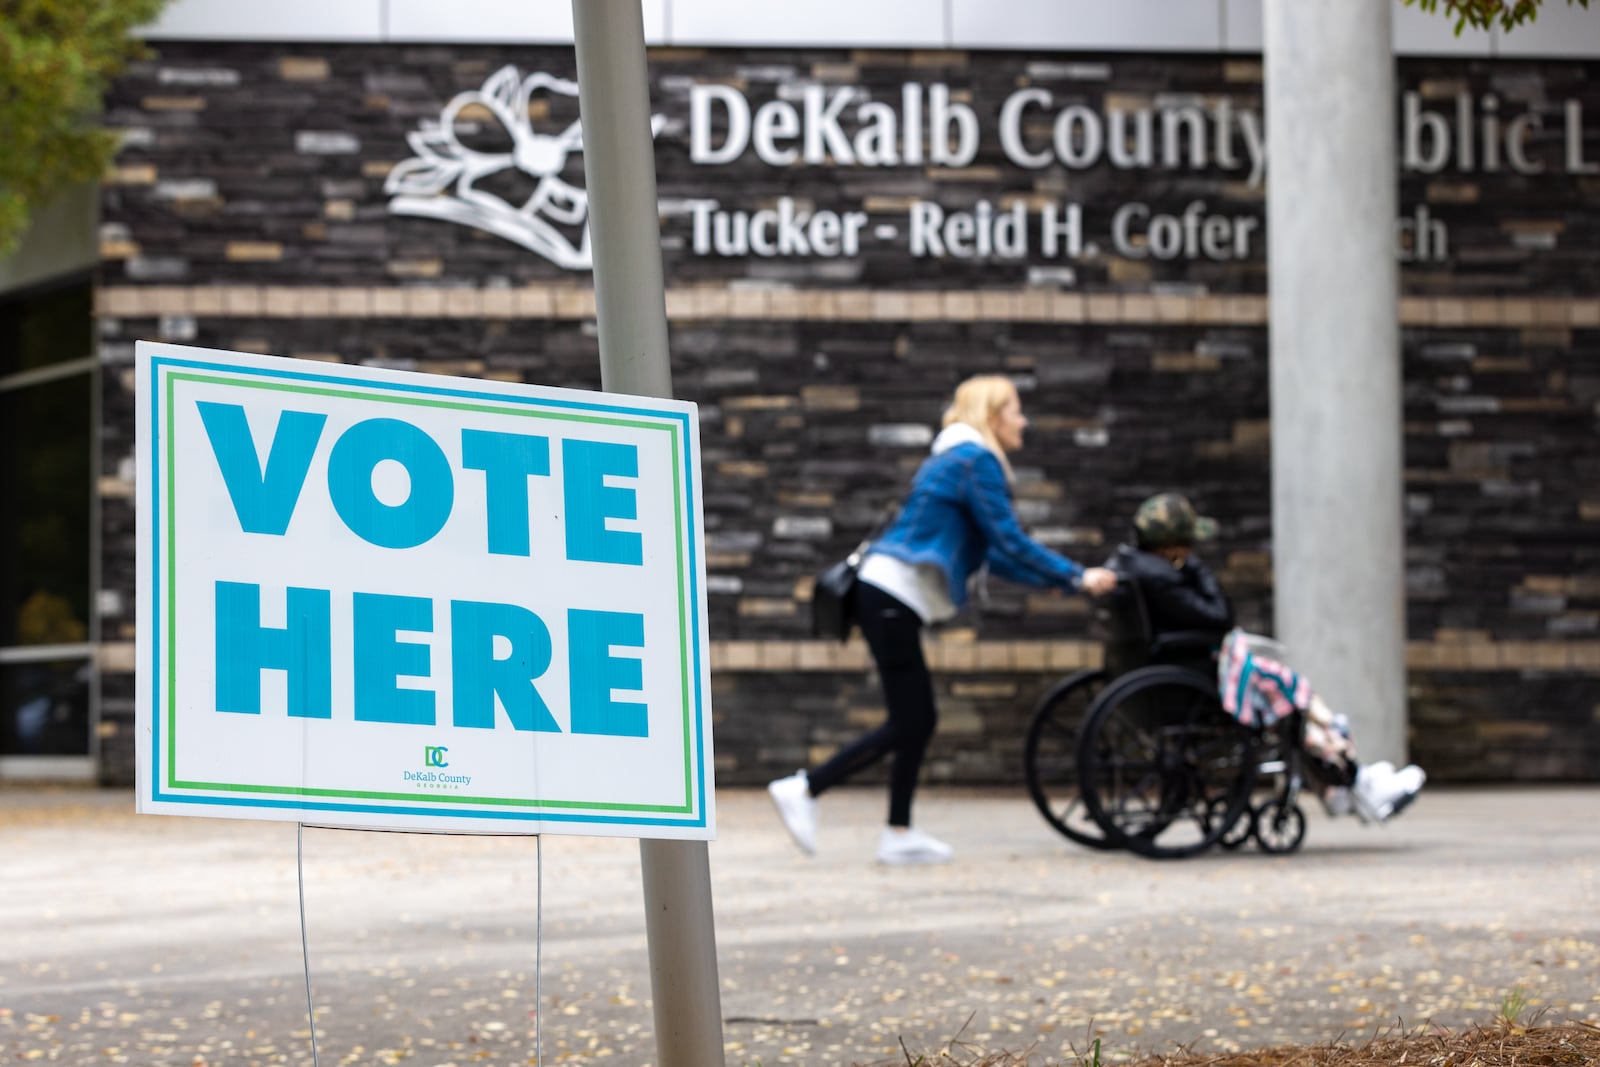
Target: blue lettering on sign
{"x":595,"y":672}
{"x":507,"y":461}
{"x":479,"y":677}
{"x":245,"y":648}
{"x":416,"y":519}
{"x":265,"y":496}
{"x":263,"y":499}
{"x":381,"y":659}
{"x":304,"y":649}
{"x":590,"y":502}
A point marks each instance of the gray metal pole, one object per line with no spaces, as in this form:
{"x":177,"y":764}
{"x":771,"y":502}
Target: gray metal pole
{"x":1338,"y":537}
{"x":624,"y":228}
{"x":624,"y":220}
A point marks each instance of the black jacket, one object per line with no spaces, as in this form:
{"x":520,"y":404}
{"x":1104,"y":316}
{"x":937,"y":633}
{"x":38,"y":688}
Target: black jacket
{"x":1176,"y":598}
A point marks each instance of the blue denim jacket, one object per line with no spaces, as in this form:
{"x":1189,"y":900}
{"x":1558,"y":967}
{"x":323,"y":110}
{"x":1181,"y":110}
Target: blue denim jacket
{"x":958,"y":516}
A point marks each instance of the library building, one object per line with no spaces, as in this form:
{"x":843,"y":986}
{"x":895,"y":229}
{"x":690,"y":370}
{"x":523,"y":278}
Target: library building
{"x":860,"y":206}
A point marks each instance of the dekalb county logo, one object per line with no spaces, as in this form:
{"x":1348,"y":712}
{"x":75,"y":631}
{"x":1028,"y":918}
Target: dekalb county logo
{"x":433,"y":759}
{"x":482,"y":164}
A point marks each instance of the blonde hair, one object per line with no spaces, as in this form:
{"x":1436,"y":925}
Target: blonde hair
{"x":975,"y":404}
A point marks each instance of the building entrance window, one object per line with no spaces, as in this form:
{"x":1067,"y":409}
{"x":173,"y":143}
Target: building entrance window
{"x":47,"y":638}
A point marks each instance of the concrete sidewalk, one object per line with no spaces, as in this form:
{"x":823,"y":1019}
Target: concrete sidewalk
{"x":146,"y":940}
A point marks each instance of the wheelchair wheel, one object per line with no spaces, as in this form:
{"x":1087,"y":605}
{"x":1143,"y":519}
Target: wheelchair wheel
{"x":1238,"y":835}
{"x":1050,"y":757}
{"x":1164,"y":770}
{"x":1279,"y":826}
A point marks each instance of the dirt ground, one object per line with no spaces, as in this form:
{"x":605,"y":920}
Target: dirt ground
{"x":176,"y":942}
{"x":1505,"y":1044}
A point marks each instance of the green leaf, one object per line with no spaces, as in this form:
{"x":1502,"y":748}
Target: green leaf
{"x":57,"y":59}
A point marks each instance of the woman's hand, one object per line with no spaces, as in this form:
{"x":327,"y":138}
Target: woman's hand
{"x":1098,"y":581}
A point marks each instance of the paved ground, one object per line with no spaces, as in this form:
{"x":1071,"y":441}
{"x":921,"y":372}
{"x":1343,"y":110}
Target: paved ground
{"x":146,"y":940}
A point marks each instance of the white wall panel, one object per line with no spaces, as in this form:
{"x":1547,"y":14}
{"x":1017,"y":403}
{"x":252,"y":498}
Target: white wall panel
{"x":1422,"y":33}
{"x":872,"y":23}
{"x":1560,"y":30}
{"x":501,"y":21}
{"x":1241,"y":26}
{"x":277,"y":20}
{"x":1088,"y":25}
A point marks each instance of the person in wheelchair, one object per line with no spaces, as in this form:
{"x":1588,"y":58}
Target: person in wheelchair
{"x":1180,"y":593}
{"x":1186,"y":609}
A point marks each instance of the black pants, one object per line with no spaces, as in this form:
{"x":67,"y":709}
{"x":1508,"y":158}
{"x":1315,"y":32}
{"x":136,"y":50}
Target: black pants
{"x":894,"y":634}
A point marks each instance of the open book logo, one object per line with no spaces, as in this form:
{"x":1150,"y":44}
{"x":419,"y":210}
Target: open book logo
{"x":485,"y":184}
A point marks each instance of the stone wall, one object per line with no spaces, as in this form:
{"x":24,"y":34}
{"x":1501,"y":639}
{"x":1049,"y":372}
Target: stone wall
{"x":247,"y":211}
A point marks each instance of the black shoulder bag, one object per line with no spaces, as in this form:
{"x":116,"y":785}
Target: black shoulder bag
{"x":833,"y":594}
{"x":833,"y":597}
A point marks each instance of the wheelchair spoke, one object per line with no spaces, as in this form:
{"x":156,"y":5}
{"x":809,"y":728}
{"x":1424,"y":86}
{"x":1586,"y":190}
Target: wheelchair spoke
{"x":1073,"y":809}
{"x":1061,"y":730}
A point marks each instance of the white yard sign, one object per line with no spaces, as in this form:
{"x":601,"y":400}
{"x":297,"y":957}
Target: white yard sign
{"x":383,"y":599}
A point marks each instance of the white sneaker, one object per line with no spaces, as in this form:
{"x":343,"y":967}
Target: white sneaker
{"x":1368,"y":792}
{"x":1410,"y":778}
{"x":899,"y":848}
{"x":1380,"y":789}
{"x":798,"y":809}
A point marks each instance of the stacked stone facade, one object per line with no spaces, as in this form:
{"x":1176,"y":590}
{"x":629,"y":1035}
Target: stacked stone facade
{"x":248,"y":211}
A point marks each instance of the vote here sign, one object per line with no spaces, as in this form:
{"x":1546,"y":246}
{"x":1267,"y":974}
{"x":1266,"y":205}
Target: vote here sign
{"x":374,"y":598}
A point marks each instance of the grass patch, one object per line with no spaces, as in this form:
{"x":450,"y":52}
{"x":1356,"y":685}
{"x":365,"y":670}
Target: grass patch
{"x":1506,"y":1043}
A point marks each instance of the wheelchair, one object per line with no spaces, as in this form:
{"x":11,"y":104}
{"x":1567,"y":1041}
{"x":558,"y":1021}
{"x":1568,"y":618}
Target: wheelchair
{"x":1140,"y":754}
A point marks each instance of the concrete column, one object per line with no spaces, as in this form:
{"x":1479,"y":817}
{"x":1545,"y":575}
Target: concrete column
{"x":1337,"y":519}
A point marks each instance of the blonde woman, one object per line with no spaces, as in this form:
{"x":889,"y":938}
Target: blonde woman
{"x":957,"y":517}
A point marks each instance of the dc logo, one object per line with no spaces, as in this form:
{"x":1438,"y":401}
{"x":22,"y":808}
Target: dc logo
{"x":433,"y":756}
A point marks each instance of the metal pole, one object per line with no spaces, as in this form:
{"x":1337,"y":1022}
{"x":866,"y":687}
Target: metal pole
{"x":624,"y":227}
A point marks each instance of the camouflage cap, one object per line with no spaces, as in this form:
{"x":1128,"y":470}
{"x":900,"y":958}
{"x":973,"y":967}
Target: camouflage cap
{"x":1169,"y":519}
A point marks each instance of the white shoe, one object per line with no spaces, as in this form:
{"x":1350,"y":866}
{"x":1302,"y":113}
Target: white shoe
{"x":899,"y":848}
{"x":798,"y":809}
{"x":1380,"y":789}
{"x":1410,"y":778}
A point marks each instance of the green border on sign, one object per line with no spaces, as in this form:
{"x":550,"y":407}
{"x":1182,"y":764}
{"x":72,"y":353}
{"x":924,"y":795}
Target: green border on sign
{"x":356,"y":393}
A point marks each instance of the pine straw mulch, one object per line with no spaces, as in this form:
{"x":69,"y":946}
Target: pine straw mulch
{"x":1562,"y":1045}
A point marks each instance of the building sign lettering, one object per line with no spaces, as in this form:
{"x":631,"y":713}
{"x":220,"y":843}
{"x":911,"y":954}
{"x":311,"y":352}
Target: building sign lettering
{"x":936,"y":125}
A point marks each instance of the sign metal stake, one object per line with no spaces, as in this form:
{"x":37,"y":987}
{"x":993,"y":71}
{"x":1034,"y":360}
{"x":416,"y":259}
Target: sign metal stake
{"x":305,"y":951}
{"x":630,"y":303}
